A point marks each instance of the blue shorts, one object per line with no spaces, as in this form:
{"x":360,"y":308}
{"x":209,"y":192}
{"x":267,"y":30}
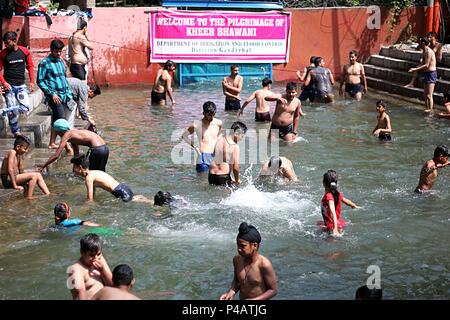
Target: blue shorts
{"x":204,"y":161}
{"x":123,"y":192}
{"x":429,"y":77}
{"x":353,"y":88}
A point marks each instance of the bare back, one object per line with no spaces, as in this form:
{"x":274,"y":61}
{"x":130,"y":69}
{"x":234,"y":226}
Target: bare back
{"x":428,"y":175}
{"x":223,"y":156}
{"x":112,"y":293}
{"x":83,"y":137}
{"x":102,"y":180}
{"x":15,"y":158}
{"x":262,"y":105}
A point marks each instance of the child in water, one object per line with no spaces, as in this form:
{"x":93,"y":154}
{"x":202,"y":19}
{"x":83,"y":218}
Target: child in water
{"x":62,"y":214}
{"x":332,"y":203}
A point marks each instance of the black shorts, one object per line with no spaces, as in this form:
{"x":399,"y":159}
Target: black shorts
{"x":262,"y":116}
{"x":78,"y":71}
{"x":282,"y":131}
{"x":232,"y":105}
{"x":157,"y":97}
{"x":98,"y":157}
{"x":220,"y":179}
{"x":123,"y":192}
{"x":307,"y":93}
{"x":7,"y":184}
{"x":385,"y":137}
{"x":353,"y":88}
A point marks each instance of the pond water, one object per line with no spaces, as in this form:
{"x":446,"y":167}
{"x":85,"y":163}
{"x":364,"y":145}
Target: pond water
{"x":189,"y":254}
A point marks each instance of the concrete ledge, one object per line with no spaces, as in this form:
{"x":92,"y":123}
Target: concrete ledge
{"x":402,"y":77}
{"x":391,"y":87}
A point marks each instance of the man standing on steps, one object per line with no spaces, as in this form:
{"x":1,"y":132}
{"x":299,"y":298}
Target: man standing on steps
{"x":14,"y":59}
{"x":429,"y":72}
{"x":52,"y":80}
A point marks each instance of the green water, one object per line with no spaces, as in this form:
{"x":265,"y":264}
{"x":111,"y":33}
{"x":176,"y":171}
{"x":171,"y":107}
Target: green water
{"x":189,"y":255}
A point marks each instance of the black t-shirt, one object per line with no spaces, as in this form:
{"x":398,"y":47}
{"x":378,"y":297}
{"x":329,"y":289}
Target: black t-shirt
{"x":14,"y":63}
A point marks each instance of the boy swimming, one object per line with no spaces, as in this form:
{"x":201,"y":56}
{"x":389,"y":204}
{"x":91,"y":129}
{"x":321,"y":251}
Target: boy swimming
{"x":62,"y":214}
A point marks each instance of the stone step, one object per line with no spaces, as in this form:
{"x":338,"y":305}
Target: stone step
{"x":391,"y":63}
{"x":401,"y":77}
{"x":388,"y":86}
{"x":36,"y":99}
{"x":412,"y":55}
{"x":38,"y":122}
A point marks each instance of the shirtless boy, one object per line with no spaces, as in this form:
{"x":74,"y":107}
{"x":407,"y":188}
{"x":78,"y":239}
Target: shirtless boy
{"x":286,"y":115}
{"x":262,"y":111}
{"x":226,"y":157}
{"x":428,"y":174}
{"x":98,"y":150}
{"x":91,"y":272}
{"x":254,"y":276}
{"x":353,"y":75}
{"x":429,"y":71}
{"x":100,"y":179}
{"x":163,"y":85}
{"x":13,"y":163}
{"x":123,"y":280}
{"x":208,"y":131}
{"x":279,"y":167}
{"x":436,"y":47}
{"x":232,"y":86}
{"x":383,"y":129}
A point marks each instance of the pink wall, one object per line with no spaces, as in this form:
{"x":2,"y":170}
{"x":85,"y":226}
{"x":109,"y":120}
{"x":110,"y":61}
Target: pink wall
{"x":120,"y":37}
{"x":332,"y":33}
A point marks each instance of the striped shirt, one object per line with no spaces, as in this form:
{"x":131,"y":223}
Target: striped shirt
{"x":51,"y":78}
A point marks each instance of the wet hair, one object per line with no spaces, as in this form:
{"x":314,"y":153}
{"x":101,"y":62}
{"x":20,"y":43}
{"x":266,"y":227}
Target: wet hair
{"x":10,"y":35}
{"x":56,"y":45}
{"x":432,"y":34}
{"x":162,"y":197}
{"x":90,"y":243}
{"x":266,"y":81}
{"x":209,"y":107}
{"x":364,"y":293}
{"x":62,"y":211}
{"x":425,"y":41}
{"x":22,"y":140}
{"x":311,"y":60}
{"x":381,"y":103}
{"x":168,"y":64}
{"x":239,"y":127}
{"x":291,"y":86}
{"x":353,"y":52}
{"x":447,"y":95}
{"x":275,"y":162}
{"x":122,"y":275}
{"x":234,"y":66}
{"x":95,"y":88}
{"x":317,"y":61}
{"x":441,"y":150}
{"x":81,"y":24}
{"x":330,"y":180}
{"x":80,"y":160}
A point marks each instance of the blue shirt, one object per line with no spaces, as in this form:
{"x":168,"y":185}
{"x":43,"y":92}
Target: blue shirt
{"x":51,"y":78}
{"x":71,"y":222}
